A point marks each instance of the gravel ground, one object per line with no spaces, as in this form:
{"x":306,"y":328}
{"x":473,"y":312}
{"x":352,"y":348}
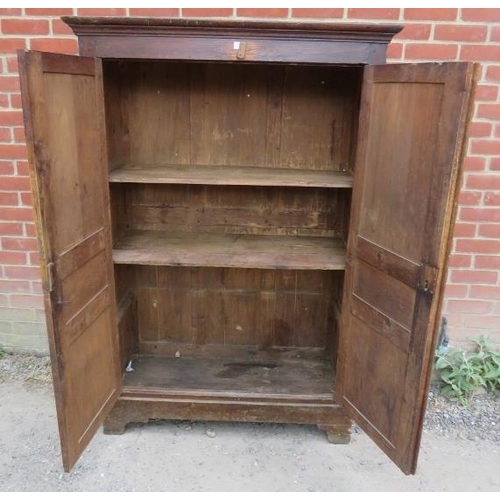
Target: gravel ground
{"x":459,"y":450}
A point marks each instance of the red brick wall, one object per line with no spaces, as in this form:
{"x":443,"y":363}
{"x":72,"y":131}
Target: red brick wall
{"x":472,"y":302}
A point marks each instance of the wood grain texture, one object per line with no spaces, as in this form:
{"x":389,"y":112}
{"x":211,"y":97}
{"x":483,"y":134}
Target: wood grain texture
{"x":178,"y":113}
{"x":198,"y":311}
{"x":64,"y":121}
{"x":405,"y":188}
{"x":228,"y":250}
{"x":229,"y":176}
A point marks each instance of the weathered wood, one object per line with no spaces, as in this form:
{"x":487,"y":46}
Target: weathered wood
{"x":291,"y":42}
{"x":331,"y":417}
{"x":230,"y":176}
{"x":63,"y":110}
{"x":216,"y":250}
{"x":411,"y":135}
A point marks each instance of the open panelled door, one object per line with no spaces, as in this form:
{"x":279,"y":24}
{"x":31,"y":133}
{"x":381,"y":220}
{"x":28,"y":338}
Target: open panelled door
{"x":411,"y":135}
{"x":64,"y":120}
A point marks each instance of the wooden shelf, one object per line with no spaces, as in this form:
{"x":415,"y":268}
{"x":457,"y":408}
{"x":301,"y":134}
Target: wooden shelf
{"x":229,"y":250}
{"x":285,"y":376}
{"x":230,"y":176}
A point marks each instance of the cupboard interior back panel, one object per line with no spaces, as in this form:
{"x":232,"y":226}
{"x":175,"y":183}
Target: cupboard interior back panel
{"x":231,"y":114}
{"x":188,"y":309}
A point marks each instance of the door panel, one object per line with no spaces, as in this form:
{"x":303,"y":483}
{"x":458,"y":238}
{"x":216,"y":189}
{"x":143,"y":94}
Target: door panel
{"x":64,"y":121}
{"x":411,"y":137}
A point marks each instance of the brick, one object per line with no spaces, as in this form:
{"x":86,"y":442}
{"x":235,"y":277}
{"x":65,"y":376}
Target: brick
{"x":460,"y":260}
{"x":456,"y":291}
{"x":492,"y":199}
{"x":318,"y":13}
{"x":495,"y":34}
{"x":10,"y":118}
{"x":48,"y":12}
{"x":154,"y":12}
{"x":16,"y":101}
{"x":34,"y":259}
{"x":22,"y":244}
{"x":207,"y":12}
{"x":3,"y":301}
{"x":482,"y":321}
{"x":486,"y":93}
{"x":469,"y":306}
{"x":9,"y":83}
{"x":22,"y":273}
{"x":495,"y":164}
{"x":5,"y":134}
{"x":480,"y":129}
{"x":487,"y":15}
{"x":430,"y":14}
{"x":60,"y":27}
{"x":489,"y":230}
{"x":17,"y":214}
{"x":16,"y":314}
{"x":479,"y":214}
{"x":261,"y":12}
{"x":485,"y":147}
{"x":11,"y":12}
{"x":5,"y":326}
{"x":26,"y":199}
{"x":415,"y":32}
{"x":482,"y":181}
{"x":12,"y":65}
{"x":8,"y":45}
{"x":8,"y":199}
{"x":485,"y":292}
{"x":493,"y":74}
{"x":19,"y":135}
{"x":395,"y":51}
{"x":430,"y":51}
{"x":15,"y":286}
{"x":22,"y":168}
{"x":487,"y":262}
{"x":6,"y":167}
{"x":480,"y":52}
{"x":490,"y":111}
{"x":460,"y":33}
{"x":25,"y":300}
{"x":14,"y":183}
{"x":373,"y":13}
{"x":496,"y":131}
{"x":464,"y":230}
{"x":60,"y":45}
{"x":12,"y":258}
{"x":102,"y":12}
{"x":477,"y":246}
{"x":31,"y":328}
{"x":473,"y":276}
{"x":4,"y":100}
{"x":36,"y":287}
{"x":474,"y":163}
{"x":11,"y":229}
{"x":25,"y":27}
{"x":30,"y":229}
{"x":469,"y":198}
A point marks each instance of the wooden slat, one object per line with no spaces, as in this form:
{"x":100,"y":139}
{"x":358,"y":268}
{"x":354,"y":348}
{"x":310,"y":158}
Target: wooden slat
{"x":229,"y":250}
{"x":230,"y":176}
{"x":286,"y":376}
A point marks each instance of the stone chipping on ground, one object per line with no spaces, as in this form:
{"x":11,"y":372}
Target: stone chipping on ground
{"x":480,"y":419}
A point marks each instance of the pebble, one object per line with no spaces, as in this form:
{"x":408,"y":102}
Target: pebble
{"x":210,"y":433}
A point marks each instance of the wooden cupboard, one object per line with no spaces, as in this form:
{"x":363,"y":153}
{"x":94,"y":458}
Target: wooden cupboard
{"x":243,"y":221}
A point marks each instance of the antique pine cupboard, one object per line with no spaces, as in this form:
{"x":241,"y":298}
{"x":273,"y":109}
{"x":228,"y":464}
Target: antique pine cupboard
{"x":254,"y":217}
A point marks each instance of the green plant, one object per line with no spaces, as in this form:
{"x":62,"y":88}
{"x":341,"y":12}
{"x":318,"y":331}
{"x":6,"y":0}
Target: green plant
{"x":463,"y":372}
{"x":2,"y":352}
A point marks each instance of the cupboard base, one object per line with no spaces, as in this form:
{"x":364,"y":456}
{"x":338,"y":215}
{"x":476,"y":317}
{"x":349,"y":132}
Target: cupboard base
{"x":330,"y":418}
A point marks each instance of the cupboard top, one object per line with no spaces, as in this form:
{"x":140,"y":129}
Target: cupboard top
{"x":232,"y":40}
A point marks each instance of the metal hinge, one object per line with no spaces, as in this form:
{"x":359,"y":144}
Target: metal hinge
{"x":428,"y":279}
{"x":50,"y":276}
